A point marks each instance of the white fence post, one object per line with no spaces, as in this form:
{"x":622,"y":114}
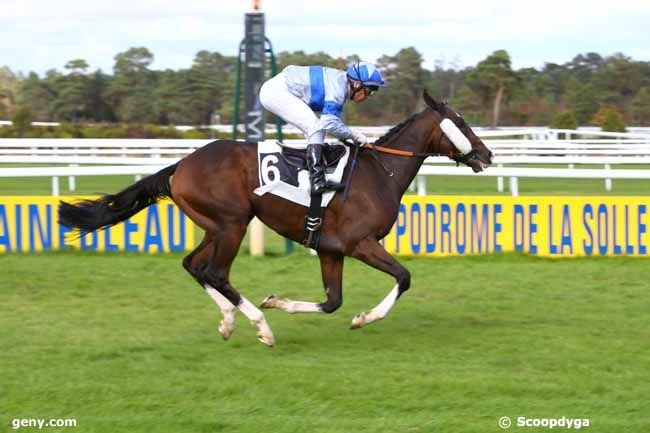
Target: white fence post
{"x":608,"y":180}
{"x":500,"y":180}
{"x":55,"y":186}
{"x":72,"y":184}
{"x":422,"y":185}
{"x":256,"y":237}
{"x":514,"y":186}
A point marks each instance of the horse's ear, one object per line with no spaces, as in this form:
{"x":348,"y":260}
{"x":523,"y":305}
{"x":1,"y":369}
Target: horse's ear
{"x":430,"y":101}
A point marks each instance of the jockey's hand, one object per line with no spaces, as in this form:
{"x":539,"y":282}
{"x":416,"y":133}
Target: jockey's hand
{"x":359,"y":138}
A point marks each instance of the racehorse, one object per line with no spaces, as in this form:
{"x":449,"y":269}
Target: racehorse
{"x":214,"y":187}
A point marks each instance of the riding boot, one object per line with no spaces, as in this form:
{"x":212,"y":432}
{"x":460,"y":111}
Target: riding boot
{"x":317,"y":171}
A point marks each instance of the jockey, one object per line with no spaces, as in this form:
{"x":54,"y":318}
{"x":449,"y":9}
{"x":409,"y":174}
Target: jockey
{"x":298,"y":92}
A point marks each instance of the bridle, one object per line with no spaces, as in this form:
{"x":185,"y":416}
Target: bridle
{"x":453,"y":154}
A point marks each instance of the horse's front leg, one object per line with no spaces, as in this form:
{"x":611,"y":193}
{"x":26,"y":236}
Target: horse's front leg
{"x":371,"y":252}
{"x":332,"y":272}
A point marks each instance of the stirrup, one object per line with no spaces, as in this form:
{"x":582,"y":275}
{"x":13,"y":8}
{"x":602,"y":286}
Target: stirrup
{"x":333,"y":186}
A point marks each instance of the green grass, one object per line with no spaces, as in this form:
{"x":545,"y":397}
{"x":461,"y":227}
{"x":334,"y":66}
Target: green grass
{"x":129,"y":343}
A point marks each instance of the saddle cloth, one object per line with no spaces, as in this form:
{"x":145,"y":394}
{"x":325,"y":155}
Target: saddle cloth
{"x":280,"y":178}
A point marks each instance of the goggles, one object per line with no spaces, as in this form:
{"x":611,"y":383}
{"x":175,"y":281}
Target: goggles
{"x":369,"y":90}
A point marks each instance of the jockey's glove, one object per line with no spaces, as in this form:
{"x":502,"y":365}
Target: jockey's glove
{"x":359,"y":138}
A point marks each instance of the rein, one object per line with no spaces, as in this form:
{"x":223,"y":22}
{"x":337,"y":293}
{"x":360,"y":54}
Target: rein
{"x":407,"y":153}
{"x":459,"y":158}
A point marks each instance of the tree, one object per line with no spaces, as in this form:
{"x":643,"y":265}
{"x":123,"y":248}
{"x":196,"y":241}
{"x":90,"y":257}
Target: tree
{"x":582,"y":99}
{"x":133,"y":63}
{"x":491,"y":78}
{"x":404,"y":77}
{"x":301,"y":58}
{"x":170,"y":98}
{"x":618,"y":80}
{"x":582,"y":67}
{"x":490,"y":92}
{"x":73,"y":96}
{"x":22,"y":120}
{"x":609,"y":120}
{"x":99,"y":107}
{"x":641,"y":106}
{"x":523,"y":103}
{"x":130,"y":92}
{"x":445,"y":79}
{"x":564,"y":120}
{"x":9,"y":87}
{"x":468,"y":104}
{"x":77,"y":66}
{"x":37,"y":95}
{"x":210,"y":81}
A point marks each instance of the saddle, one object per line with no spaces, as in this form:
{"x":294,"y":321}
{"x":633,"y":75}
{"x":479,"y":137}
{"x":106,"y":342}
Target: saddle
{"x":297,"y":158}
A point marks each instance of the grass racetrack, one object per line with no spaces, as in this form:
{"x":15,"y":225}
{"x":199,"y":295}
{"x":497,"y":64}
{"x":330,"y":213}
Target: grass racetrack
{"x":129,"y":343}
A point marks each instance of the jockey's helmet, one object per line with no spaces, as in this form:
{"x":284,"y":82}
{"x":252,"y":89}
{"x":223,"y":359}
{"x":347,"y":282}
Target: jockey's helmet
{"x":366,"y":73}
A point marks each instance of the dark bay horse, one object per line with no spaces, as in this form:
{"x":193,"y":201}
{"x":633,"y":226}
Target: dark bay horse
{"x":214,"y":187}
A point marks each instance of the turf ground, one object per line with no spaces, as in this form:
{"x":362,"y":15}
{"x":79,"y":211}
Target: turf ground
{"x":129,"y":343}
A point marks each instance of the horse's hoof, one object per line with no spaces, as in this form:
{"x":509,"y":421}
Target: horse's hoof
{"x":269,"y":302}
{"x":267,"y":340}
{"x":359,"y":321}
{"x":225,"y":329}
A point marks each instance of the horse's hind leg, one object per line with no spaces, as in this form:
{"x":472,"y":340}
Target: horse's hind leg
{"x":195,"y":263}
{"x":216,"y":274}
{"x":332,"y":273}
{"x":372,"y":253}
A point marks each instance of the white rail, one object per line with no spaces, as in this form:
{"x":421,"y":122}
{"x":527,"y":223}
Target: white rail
{"x":548,"y":173}
{"x":143,"y":156}
{"x":56,"y":172}
{"x":426,"y":170}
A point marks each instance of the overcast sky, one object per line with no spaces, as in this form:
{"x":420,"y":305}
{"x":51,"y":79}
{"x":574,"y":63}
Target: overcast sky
{"x":37,"y":35}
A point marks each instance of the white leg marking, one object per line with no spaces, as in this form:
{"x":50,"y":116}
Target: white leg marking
{"x":264,"y":333}
{"x":290,"y":306}
{"x":227,"y":325}
{"x":377,"y":313}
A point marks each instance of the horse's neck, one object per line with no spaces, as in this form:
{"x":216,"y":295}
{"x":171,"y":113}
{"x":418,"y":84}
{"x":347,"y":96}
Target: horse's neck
{"x":413,"y":139}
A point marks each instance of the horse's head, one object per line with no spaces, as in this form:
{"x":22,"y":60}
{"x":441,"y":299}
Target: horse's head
{"x":458,"y":140}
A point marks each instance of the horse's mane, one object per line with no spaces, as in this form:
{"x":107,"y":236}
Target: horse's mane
{"x":394,"y":130}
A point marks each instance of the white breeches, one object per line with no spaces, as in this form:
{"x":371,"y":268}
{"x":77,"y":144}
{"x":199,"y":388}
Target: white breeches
{"x":275,"y":97}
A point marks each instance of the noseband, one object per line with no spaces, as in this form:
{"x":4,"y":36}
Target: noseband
{"x":467,"y":158}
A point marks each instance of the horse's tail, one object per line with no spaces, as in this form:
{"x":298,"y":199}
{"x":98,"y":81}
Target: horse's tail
{"x":110,"y":209}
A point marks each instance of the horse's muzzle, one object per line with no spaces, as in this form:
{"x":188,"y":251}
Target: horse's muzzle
{"x":477,"y":165}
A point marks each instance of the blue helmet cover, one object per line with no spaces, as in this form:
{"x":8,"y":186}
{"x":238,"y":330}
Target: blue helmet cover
{"x":366,"y":73}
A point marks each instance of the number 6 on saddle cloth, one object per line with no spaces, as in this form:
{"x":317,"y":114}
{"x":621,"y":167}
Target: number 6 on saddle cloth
{"x":283,"y":172}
